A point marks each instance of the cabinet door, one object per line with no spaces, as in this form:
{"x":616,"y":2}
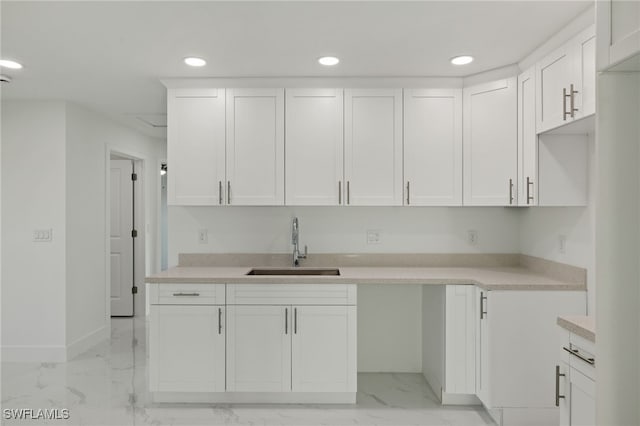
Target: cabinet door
{"x":460,"y":340}
{"x":586,"y":43}
{"x":483,"y":373}
{"x":314,"y":151}
{"x":187,"y":348}
{"x":195,"y":146}
{"x":582,"y":396}
{"x":255,"y":147}
{"x":324,"y":349}
{"x":527,"y":140}
{"x":373,"y":147}
{"x":555,"y":74}
{"x":564,"y":392}
{"x":433,"y":147}
{"x":259,"y":348}
{"x":490,"y":143}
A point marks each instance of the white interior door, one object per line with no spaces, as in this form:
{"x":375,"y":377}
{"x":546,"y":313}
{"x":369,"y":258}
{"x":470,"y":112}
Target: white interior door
{"x":121,"y":240}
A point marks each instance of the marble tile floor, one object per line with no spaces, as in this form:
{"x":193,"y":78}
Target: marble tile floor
{"x":107,"y":386}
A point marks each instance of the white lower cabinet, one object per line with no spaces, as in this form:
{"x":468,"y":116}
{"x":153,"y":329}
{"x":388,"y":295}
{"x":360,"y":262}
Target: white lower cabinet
{"x":516,"y":351}
{"x":187,"y":348}
{"x":293,"y":343}
{"x":258,"y":349}
{"x":575,"y":382}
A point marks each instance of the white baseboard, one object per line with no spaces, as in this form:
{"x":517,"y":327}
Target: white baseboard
{"x":34,"y":354}
{"x":87,"y":342}
{"x":459,"y":399}
{"x":257,"y":397}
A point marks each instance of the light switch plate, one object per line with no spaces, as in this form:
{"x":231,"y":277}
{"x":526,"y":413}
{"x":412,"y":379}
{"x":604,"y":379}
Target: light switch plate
{"x":373,"y":236}
{"x":43,"y":235}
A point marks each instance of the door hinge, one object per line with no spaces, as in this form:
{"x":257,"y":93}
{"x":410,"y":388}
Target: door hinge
{"x":134,"y":233}
{"x":134,"y":176}
{"x":134,"y":290}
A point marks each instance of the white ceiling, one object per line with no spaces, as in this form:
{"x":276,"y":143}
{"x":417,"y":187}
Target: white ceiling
{"x":109,"y":56}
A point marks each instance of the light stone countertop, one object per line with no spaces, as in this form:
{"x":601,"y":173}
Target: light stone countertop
{"x":581,"y":325}
{"x":489,"y":278}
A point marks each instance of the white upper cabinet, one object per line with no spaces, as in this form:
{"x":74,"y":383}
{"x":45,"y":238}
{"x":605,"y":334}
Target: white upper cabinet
{"x":433,"y":147}
{"x":314,"y":147}
{"x":566,"y":82}
{"x":618,"y":31}
{"x":255,"y":147}
{"x":196,"y":146}
{"x":373,"y":147}
{"x":490,"y":143}
{"x":527,"y":140}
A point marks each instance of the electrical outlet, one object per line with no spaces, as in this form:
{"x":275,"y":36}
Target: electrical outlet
{"x":43,"y":235}
{"x":562,"y":243}
{"x":373,"y":236}
{"x":472,"y":237}
{"x":203,"y":236}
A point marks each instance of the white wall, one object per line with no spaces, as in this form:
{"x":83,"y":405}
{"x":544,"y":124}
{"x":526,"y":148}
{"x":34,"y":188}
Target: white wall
{"x":389,"y":318}
{"x":88,"y":135}
{"x":33,"y":194}
{"x":54,"y":295}
{"x":541,"y":227}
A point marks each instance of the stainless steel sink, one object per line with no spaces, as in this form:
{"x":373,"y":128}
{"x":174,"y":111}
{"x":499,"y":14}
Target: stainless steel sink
{"x":295,"y":271}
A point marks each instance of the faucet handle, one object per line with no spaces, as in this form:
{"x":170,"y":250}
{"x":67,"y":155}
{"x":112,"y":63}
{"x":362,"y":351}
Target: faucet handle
{"x":304,"y":256}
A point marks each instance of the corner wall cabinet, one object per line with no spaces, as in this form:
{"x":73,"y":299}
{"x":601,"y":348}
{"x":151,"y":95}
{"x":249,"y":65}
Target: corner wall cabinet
{"x":527,"y":140}
{"x":288,"y":343}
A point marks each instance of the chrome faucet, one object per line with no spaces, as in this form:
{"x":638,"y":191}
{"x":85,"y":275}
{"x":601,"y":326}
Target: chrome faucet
{"x":295,"y":233}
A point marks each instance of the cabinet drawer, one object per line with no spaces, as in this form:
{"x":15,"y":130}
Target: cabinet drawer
{"x":187,"y":294}
{"x":291,"y":294}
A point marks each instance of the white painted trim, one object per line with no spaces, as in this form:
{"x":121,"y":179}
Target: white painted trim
{"x":603,"y":34}
{"x":313,"y":82}
{"x":257,"y":397}
{"x":459,"y":399}
{"x":34,"y":354}
{"x":87,"y":342}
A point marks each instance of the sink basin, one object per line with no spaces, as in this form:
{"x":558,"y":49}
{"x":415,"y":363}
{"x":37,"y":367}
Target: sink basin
{"x":295,"y":271}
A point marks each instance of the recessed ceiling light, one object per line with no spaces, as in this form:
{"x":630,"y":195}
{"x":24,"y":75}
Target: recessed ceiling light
{"x":462,"y":60}
{"x":195,"y":62}
{"x":328,"y":61}
{"x":10,"y":64}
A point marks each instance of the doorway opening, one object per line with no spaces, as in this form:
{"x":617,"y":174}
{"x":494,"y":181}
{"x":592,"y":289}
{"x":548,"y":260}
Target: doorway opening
{"x":125,"y":206}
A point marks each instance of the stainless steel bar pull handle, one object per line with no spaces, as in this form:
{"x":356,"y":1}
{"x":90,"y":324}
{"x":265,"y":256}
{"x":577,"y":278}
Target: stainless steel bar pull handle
{"x":483,"y":298}
{"x":339,"y":192}
{"x":564,"y":104}
{"x":408,"y":194}
{"x":510,"y":191}
{"x":219,"y":320}
{"x":187,"y":294}
{"x":572,"y":104}
{"x":558,"y":375}
{"x":348,"y":192}
{"x":286,"y":320}
{"x":529,"y":192}
{"x":228,"y":192}
{"x":220,"y":192}
{"x":576,"y":352}
{"x":295,"y":320}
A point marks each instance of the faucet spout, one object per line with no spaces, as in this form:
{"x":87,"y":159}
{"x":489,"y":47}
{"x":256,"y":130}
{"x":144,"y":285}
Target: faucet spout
{"x":295,"y":234}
